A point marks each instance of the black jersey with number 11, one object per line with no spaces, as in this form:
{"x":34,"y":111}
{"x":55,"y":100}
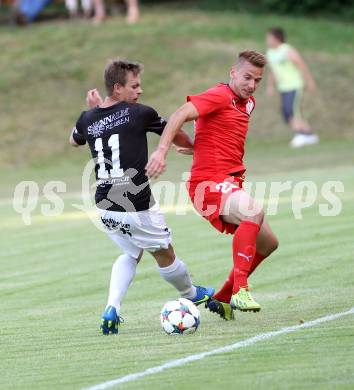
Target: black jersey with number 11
{"x":117,"y":139}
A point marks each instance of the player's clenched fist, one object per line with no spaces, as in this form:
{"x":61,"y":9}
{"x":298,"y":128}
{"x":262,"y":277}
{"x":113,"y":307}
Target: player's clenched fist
{"x":156,"y":164}
{"x":93,"y":98}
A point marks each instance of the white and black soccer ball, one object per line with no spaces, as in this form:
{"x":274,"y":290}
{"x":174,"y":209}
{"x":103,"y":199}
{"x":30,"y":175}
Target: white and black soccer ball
{"x":180,"y":317}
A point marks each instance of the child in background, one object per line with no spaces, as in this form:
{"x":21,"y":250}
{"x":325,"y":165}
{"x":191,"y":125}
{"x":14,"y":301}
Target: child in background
{"x":132,"y":11}
{"x":290,"y":74}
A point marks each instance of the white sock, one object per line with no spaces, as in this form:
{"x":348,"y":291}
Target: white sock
{"x":123,"y":272}
{"x":177,"y":274}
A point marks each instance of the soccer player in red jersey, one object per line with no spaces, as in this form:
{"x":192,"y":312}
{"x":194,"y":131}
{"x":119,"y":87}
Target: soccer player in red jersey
{"x":215,"y":186}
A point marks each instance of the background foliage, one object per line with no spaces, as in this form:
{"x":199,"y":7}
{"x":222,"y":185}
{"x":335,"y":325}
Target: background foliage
{"x":332,"y":8}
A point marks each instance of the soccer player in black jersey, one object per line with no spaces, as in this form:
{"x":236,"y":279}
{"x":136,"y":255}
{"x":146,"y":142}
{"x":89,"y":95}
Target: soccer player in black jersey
{"x":116,"y":131}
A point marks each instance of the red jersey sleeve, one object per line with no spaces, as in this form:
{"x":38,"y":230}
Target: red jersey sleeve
{"x":212,"y":100}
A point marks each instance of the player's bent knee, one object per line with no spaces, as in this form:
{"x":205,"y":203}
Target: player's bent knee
{"x":126,"y":258}
{"x":260,"y":217}
{"x":274,"y":244}
{"x":256,"y":217}
{"x":164,"y":257}
{"x":243,"y":209}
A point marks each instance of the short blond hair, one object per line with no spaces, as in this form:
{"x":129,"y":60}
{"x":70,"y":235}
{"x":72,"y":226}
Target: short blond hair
{"x":253,"y":57}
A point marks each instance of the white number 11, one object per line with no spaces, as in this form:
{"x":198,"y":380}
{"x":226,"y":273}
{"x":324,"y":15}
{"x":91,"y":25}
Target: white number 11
{"x":116,"y":170}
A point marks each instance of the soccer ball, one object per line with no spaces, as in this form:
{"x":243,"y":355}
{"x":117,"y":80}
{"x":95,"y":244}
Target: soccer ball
{"x":180,"y":317}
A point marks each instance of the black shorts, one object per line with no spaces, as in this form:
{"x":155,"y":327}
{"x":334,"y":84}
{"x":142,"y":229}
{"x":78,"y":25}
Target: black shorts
{"x":291,"y":104}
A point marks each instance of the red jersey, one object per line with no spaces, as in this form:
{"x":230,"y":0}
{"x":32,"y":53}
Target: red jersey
{"x":220,"y":132}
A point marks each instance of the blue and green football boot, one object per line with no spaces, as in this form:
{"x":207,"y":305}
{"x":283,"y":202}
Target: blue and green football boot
{"x":204,"y":294}
{"x":224,"y":310}
{"x":110,"y":321}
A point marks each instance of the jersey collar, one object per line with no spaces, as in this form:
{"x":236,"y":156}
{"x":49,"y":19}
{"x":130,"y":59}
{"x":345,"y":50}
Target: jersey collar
{"x":238,"y":99}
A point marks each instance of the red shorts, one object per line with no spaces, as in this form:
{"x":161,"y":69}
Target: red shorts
{"x":209,"y":197}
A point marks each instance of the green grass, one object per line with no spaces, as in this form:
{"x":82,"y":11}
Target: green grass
{"x":54,"y":274}
{"x":48,"y":68}
{"x":54,"y":278}
{"x":272,"y":157}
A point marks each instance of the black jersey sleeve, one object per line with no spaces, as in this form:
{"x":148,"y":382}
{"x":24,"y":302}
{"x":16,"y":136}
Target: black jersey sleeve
{"x":153,"y":121}
{"x":78,"y":131}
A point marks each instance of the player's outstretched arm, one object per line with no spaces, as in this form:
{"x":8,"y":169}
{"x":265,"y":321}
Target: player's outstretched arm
{"x":183,"y":140}
{"x":157,"y":162}
{"x":183,"y":143}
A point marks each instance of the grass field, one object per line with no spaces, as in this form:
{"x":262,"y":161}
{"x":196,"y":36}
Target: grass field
{"x":54,"y":277}
{"x":54,"y":274}
{"x":48,"y":68}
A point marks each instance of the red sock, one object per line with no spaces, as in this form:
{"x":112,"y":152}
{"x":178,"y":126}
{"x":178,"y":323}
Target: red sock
{"x":224,"y":294}
{"x":258,"y":258}
{"x":244,"y":249}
